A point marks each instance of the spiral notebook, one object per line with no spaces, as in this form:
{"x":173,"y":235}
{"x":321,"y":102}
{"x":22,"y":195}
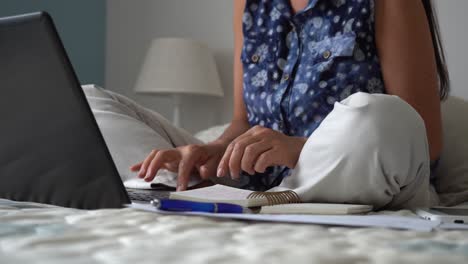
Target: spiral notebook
{"x":225,"y":194}
{"x":271,"y":202}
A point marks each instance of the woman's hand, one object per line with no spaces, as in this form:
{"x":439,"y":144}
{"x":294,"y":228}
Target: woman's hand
{"x":259,"y":148}
{"x":184,"y":160}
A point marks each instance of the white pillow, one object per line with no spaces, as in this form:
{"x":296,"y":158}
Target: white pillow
{"x":211,"y":133}
{"x":132,"y":131}
{"x":452,"y":173}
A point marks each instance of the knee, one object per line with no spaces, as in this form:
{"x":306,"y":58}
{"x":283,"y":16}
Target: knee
{"x":368,"y":148}
{"x":364,"y":123}
{"x":382,"y":107}
{"x":385,"y":118}
{"x":389,"y":134}
{"x":393,"y":138}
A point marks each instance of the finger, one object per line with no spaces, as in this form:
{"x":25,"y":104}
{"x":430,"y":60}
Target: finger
{"x":251,"y":155}
{"x":186,"y":166}
{"x":256,"y":131}
{"x":136,"y":167}
{"x":223,"y":165}
{"x":159,"y":160}
{"x":171,"y":166}
{"x":146,"y":163}
{"x":238,"y":153}
{"x":265,"y":160}
{"x":208,"y":169}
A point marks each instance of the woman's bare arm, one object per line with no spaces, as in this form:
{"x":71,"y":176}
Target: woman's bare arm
{"x":204,"y":158}
{"x":239,"y":123}
{"x":408,"y":62}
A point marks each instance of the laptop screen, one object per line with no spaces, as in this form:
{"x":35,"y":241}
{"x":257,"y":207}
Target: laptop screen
{"x":51,"y":149}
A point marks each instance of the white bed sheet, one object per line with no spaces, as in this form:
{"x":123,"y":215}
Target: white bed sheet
{"x":60,"y":235}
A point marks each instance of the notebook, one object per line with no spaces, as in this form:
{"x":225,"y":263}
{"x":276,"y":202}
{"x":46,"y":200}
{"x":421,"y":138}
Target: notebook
{"x":271,"y":202}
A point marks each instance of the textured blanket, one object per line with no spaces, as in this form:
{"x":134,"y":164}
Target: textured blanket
{"x":30,"y":234}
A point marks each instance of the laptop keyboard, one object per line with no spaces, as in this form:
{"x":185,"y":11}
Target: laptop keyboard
{"x":146,"y":195}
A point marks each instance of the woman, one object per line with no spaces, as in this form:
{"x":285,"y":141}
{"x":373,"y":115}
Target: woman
{"x":306,"y":75}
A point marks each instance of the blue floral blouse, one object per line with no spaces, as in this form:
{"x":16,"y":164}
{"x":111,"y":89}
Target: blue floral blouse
{"x":296,"y":66}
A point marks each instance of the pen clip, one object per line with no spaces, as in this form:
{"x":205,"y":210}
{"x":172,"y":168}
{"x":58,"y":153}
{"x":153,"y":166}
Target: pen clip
{"x":155,"y":203}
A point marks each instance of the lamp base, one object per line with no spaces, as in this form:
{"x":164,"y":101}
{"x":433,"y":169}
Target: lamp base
{"x":177,"y":103}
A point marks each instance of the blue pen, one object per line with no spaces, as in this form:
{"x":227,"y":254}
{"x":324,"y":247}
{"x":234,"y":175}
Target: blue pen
{"x":189,"y":206}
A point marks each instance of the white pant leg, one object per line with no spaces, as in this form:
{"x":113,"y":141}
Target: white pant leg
{"x":371,"y":149}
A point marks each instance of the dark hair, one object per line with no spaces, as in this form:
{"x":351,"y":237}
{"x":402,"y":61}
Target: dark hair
{"x":444,"y":79}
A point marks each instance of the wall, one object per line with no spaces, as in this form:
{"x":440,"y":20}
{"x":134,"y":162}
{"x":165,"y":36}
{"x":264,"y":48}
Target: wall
{"x":131,"y":25}
{"x":453,"y":26}
{"x":81,"y":25}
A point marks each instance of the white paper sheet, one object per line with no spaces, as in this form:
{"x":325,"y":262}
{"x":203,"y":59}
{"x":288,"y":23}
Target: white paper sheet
{"x":453,"y":226}
{"x":386,"y":221}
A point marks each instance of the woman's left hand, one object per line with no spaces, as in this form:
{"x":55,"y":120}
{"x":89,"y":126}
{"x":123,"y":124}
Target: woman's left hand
{"x":259,"y":148}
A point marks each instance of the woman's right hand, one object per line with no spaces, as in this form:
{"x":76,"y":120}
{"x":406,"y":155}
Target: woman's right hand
{"x":183,"y":160}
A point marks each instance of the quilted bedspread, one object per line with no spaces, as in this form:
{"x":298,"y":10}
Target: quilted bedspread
{"x":33,"y":233}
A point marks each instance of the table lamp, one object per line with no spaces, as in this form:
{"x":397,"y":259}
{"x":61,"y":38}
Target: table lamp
{"x":177,"y":66}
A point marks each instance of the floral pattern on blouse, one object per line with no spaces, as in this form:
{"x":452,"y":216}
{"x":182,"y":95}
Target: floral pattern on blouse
{"x":296,"y":66}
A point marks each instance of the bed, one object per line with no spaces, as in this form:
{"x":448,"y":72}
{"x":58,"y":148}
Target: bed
{"x":38,"y":233}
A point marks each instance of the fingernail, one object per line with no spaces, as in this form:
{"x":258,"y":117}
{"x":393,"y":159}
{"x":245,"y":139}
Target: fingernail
{"x":147,"y":176}
{"x":220,"y":173}
{"x":233,"y":175}
{"x":203,"y":168}
{"x":141,"y":172}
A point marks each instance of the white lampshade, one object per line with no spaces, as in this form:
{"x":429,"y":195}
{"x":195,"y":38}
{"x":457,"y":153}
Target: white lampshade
{"x":179,"y":66}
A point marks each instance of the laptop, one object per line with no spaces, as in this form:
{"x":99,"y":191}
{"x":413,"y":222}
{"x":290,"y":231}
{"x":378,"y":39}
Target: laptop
{"x":51,"y":149}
